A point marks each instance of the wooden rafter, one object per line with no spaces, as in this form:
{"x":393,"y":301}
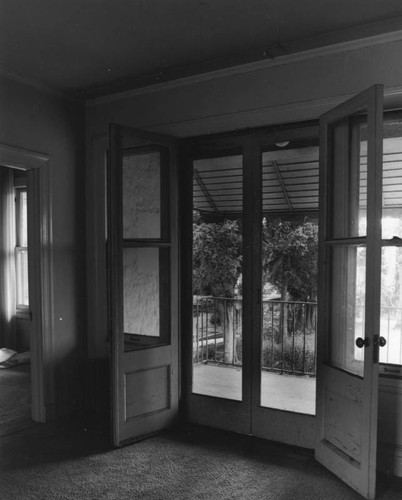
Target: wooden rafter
{"x":282,"y":184}
{"x":205,"y":192}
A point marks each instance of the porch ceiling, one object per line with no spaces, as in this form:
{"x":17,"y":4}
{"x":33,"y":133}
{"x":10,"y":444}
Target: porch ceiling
{"x":289,"y":181}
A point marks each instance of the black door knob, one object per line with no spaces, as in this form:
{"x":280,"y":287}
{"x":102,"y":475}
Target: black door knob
{"x":362,"y":342}
{"x":382,"y":341}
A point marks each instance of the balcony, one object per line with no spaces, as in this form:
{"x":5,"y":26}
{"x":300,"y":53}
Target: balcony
{"x":288,"y":347}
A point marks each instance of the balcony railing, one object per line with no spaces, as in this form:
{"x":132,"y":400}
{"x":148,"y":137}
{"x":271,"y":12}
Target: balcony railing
{"x":289,"y":334}
{"x":288,"y":343}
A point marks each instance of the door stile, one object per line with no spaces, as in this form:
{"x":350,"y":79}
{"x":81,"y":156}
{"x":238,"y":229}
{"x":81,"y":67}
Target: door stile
{"x":186,"y":295}
{"x":251,"y":272}
{"x":255,"y":204}
{"x":373,"y":270}
{"x":115,"y":274}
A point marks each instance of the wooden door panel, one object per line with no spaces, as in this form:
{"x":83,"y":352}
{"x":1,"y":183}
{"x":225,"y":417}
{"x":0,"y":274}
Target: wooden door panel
{"x":349,"y":289}
{"x":143,"y":256}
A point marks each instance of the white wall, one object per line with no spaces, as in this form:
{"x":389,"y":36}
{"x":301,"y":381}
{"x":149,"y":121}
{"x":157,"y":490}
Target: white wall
{"x":38,"y":121}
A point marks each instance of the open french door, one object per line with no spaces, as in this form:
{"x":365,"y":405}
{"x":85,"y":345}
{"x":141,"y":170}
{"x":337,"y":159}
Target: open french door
{"x":143,"y":282}
{"x":350,"y":288}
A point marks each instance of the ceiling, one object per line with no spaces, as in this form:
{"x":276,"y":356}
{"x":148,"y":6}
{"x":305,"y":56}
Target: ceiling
{"x":289,"y":181}
{"x":96,"y":47}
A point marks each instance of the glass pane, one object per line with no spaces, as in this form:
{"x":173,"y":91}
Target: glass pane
{"x":391,"y":305}
{"x":290,"y":177}
{"x":289,"y":314}
{"x":217,"y":277}
{"x":346,"y":314}
{"x":141,"y":291}
{"x":22,"y":230}
{"x":392,"y":180}
{"x":348,"y":179}
{"x":141,"y":195}
{"x":22,"y":277}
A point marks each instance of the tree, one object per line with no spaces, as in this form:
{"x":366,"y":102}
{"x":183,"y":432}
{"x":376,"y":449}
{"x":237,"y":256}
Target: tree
{"x":290,"y":252}
{"x":217,"y":259}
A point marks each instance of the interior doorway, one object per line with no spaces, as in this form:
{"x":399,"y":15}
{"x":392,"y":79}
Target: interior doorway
{"x":28,"y":281}
{"x":15,"y":373}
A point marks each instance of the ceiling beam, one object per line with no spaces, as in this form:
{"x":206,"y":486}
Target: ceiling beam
{"x":282,"y":184}
{"x":204,"y":190}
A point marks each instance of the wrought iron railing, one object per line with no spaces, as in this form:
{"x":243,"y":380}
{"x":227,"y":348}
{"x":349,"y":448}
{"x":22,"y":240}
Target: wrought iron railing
{"x":217,"y":330}
{"x":288,"y":334}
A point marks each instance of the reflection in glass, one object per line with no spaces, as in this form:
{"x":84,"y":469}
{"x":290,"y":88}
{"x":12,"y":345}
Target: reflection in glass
{"x":141,"y":195}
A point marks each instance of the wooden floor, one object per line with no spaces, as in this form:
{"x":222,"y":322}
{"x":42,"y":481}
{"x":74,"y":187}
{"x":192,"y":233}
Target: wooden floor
{"x":284,"y":392}
{"x":15,"y":398}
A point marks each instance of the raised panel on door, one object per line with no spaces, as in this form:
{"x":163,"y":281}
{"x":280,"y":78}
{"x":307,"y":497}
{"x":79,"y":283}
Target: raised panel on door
{"x":143,"y":282}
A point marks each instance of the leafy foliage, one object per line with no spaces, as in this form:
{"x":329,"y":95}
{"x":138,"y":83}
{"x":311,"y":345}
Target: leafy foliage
{"x":290,"y":251}
{"x":217,"y":249}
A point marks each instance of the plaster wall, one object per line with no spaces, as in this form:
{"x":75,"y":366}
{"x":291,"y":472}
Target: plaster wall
{"x":39,"y":121}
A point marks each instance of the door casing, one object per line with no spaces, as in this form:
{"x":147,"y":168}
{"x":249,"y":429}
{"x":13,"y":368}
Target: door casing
{"x":40,"y":275}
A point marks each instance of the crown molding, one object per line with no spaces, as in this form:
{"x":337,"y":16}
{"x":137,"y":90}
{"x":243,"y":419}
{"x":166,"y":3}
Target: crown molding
{"x":30,"y":82}
{"x":281,"y":60}
{"x":263,"y":116}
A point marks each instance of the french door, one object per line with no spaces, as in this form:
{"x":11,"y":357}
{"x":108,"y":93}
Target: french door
{"x":247,"y":178}
{"x":143,"y":282}
{"x":234,"y":380}
{"x":350,"y":289}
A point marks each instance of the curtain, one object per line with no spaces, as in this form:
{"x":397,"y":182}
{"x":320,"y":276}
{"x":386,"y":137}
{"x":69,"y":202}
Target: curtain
{"x":7,"y":260}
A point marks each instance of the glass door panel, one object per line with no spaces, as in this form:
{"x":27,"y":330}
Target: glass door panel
{"x":348,"y":179}
{"x":391,"y":268}
{"x":217,"y":276}
{"x":289,"y":230}
{"x":346,"y":317}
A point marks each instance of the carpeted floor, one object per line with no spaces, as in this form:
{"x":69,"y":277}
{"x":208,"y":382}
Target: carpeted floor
{"x":63,"y":461}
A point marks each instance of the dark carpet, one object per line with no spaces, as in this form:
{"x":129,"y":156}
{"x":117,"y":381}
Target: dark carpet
{"x":63,"y":461}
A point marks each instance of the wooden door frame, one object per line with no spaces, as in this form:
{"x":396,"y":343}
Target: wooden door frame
{"x":40,"y":275}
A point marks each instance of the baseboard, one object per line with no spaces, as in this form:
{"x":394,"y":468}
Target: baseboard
{"x":390,"y":459}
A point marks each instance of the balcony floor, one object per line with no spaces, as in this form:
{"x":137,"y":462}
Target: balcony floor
{"x":283,"y":392}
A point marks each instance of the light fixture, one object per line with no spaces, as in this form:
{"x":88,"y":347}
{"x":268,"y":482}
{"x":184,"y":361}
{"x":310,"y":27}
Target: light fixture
{"x":282,"y":144}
